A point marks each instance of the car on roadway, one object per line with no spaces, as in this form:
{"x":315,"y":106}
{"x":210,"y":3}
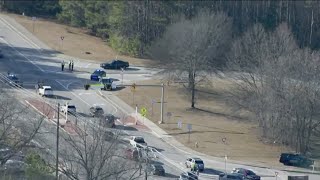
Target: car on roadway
{"x":196,"y":161}
{"x":14,"y":80}
{"x":68,"y":108}
{"x":108,"y":84}
{"x":96,"y":111}
{"x":137,"y":141}
{"x":115,"y":64}
{"x":292,"y":159}
{"x":97,"y":75}
{"x":108,"y":121}
{"x":248,"y":174}
{"x":133,"y":153}
{"x":231,"y":176}
{"x":45,"y":91}
{"x":156,"y":169}
{"x":188,"y":176}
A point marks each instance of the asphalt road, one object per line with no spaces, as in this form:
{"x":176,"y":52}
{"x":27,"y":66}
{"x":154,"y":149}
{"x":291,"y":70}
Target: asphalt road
{"x":33,"y":62}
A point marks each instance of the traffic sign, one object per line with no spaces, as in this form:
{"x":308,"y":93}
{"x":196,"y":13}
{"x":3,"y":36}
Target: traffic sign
{"x":180,"y":124}
{"x":189,"y":127}
{"x":143,"y":111}
{"x":133,"y":87}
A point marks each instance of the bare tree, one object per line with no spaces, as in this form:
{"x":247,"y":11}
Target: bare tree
{"x":195,"y":47}
{"x":18,"y":125}
{"x":94,"y":153}
{"x":278,"y":83}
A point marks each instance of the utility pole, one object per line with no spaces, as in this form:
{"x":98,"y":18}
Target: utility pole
{"x":57,"y":152}
{"x":162,"y":101}
{"x":147,"y":164}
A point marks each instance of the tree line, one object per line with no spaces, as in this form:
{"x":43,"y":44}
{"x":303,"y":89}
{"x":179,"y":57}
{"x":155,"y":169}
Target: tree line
{"x":131,"y":26}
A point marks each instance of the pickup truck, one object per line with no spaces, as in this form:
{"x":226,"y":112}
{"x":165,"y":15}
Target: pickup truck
{"x":68,"y":108}
{"x":138,"y":141}
{"x":45,"y":91}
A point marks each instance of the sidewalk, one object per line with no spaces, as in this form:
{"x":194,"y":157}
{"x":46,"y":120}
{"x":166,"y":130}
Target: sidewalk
{"x":179,"y":146}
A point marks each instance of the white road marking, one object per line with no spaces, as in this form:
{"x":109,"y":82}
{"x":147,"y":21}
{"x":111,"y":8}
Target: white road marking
{"x":80,"y":94}
{"x":22,"y":55}
{"x":24,"y":37}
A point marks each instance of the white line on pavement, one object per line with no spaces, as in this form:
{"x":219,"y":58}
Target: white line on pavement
{"x":22,"y":55}
{"x":24,"y":37}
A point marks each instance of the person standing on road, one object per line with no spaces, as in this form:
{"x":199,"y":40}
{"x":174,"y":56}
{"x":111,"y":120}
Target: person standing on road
{"x":69,"y":65}
{"x":193,"y":166}
{"x":72,"y":65}
{"x":62,"y":65}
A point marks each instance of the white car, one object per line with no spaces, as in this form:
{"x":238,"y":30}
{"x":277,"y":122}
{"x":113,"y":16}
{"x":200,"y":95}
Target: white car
{"x":138,"y":141}
{"x":68,"y":108}
{"x":45,"y":91}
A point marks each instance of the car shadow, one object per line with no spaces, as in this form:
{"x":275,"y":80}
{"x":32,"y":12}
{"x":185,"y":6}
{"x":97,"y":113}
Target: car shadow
{"x":131,"y":69}
{"x":127,"y":128}
{"x":59,"y":97}
{"x":169,"y":175}
{"x":158,"y":149}
{"x":211,"y":171}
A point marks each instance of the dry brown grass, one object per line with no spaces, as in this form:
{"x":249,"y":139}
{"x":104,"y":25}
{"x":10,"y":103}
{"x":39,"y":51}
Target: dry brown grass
{"x":212,"y":121}
{"x":76,"y":41}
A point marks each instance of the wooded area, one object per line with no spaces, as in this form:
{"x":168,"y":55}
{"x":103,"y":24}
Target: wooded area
{"x":131,"y":26}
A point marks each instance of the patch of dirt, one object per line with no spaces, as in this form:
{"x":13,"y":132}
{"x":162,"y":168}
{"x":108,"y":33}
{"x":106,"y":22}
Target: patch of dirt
{"x":212,"y":121}
{"x":77,"y":42}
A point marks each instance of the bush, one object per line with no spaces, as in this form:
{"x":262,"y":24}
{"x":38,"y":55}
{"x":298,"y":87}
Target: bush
{"x":37,"y":168}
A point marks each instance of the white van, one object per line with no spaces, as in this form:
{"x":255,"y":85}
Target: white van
{"x":45,"y":91}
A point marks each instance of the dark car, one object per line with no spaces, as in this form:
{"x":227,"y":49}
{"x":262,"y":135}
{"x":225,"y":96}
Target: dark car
{"x":292,"y":159}
{"x":232,"y":176}
{"x":248,"y":174}
{"x":14,"y":80}
{"x":188,"y":176}
{"x":115,"y":64}
{"x":108,"y":121}
{"x":96,"y":111}
{"x":97,"y":75}
{"x":157,"y":169}
{"x":133,"y":153}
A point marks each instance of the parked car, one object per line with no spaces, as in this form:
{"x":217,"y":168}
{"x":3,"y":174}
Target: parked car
{"x":232,"y":176}
{"x":97,"y":75}
{"x":196,"y":161}
{"x":68,"y":108}
{"x":45,"y":91}
{"x":14,"y":80}
{"x":115,"y":64}
{"x":107,"y":121}
{"x":248,"y":174}
{"x":156,"y":169}
{"x":188,"y":176}
{"x":292,"y":159}
{"x":96,"y":111}
{"x":138,"y":141}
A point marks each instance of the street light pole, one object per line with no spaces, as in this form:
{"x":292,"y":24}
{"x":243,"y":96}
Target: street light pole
{"x":162,"y":101}
{"x":57,"y":152}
